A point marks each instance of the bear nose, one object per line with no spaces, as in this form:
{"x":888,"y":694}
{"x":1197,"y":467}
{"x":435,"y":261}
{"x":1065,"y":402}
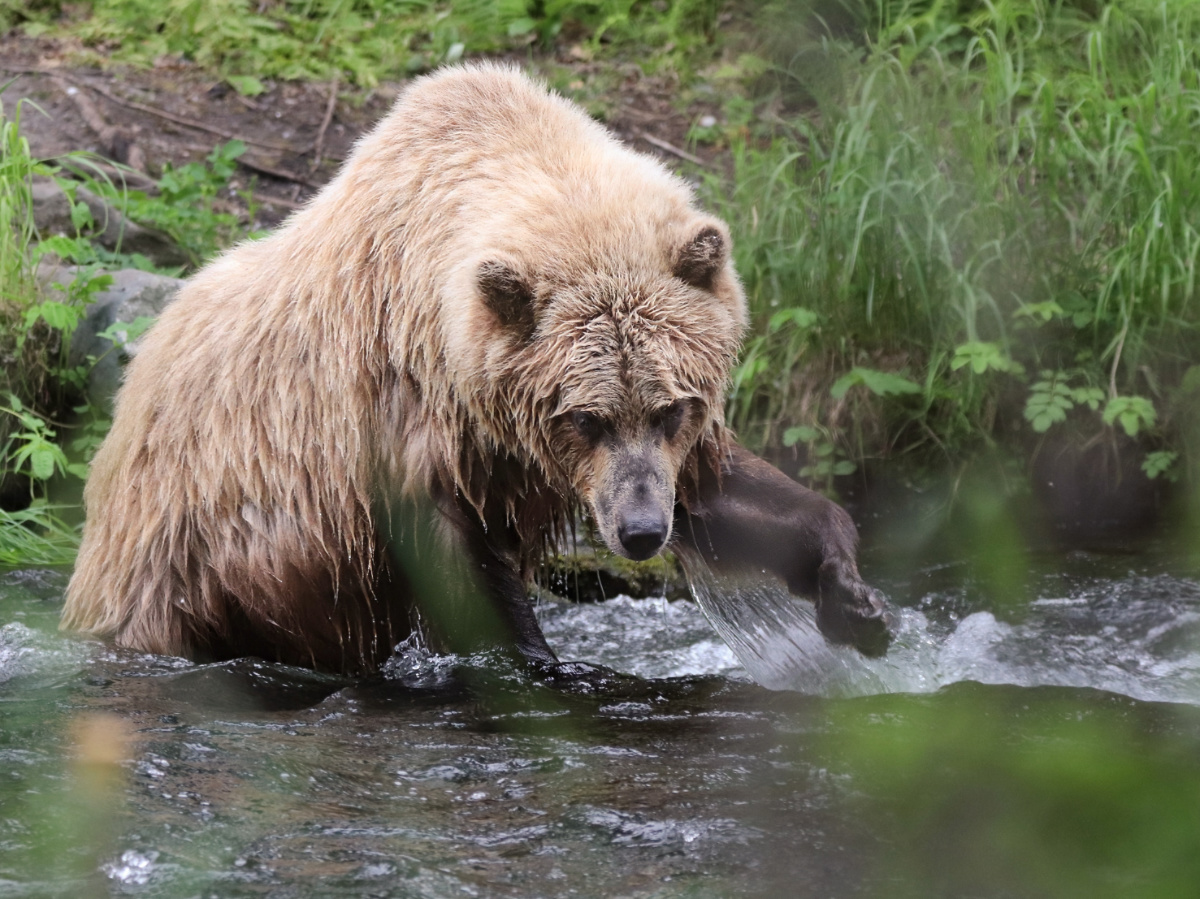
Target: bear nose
{"x":642,"y":536}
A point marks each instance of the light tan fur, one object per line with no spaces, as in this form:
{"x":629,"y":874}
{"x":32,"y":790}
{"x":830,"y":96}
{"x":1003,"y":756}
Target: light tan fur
{"x":303,"y":382}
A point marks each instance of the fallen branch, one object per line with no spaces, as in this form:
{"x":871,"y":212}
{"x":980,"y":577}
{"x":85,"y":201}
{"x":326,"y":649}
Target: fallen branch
{"x":150,"y":110}
{"x":671,"y":148}
{"x":87,"y":109}
{"x":265,"y":200}
{"x":115,"y":141}
{"x":277,"y":173}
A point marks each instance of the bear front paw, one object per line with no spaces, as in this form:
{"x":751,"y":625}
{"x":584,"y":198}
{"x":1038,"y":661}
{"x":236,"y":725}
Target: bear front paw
{"x":852,"y":613}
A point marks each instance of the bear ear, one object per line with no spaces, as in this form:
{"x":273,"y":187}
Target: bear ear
{"x":701,"y":258}
{"x":508,"y":296}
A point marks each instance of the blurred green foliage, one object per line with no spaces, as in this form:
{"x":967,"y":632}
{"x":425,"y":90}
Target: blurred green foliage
{"x":1009,"y":791}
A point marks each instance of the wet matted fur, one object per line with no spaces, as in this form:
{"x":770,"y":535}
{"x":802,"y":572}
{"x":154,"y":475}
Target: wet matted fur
{"x":490,"y":279}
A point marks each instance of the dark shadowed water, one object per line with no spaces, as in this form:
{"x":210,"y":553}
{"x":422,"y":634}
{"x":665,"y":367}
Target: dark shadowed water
{"x":1047,"y":749}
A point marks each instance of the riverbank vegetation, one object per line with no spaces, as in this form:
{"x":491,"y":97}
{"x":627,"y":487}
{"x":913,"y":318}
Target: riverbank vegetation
{"x":39,"y":381}
{"x":966,"y":229}
{"x":972,"y":228}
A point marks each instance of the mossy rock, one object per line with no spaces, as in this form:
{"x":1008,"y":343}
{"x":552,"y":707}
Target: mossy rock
{"x":594,"y":576}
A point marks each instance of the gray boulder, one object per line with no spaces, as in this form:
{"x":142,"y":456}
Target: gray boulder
{"x":132,"y":295}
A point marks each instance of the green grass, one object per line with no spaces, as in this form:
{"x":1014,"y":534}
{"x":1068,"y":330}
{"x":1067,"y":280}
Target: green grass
{"x":35,"y":331}
{"x":18,"y":288}
{"x":363,"y":41}
{"x":998,"y":208}
{"x":37,"y":537}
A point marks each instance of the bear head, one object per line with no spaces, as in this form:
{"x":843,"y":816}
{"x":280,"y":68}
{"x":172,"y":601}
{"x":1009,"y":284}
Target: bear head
{"x":597,"y":347}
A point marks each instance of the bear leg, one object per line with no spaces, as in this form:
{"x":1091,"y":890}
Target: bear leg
{"x":466,"y":581}
{"x":752,"y":517}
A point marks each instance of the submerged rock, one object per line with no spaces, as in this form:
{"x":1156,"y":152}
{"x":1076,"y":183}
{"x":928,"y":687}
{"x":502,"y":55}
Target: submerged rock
{"x":1092,"y":491}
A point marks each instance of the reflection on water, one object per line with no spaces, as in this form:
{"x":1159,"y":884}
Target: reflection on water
{"x":452,"y":777}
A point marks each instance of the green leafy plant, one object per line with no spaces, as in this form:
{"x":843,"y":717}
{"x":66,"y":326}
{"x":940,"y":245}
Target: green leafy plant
{"x":1051,"y":398}
{"x":880,"y":383}
{"x":982,"y":356}
{"x":823,"y":461}
{"x":1160,"y":464}
{"x":794,"y":316}
{"x":187,"y":206}
{"x":39,"y":379}
{"x":1133,"y":413}
{"x":33,"y":451}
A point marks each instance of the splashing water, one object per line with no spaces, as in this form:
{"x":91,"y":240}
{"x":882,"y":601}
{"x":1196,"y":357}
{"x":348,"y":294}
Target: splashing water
{"x":135,"y":868}
{"x":1139,"y":636}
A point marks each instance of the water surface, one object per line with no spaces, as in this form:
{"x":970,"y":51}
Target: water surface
{"x":1047,"y":748}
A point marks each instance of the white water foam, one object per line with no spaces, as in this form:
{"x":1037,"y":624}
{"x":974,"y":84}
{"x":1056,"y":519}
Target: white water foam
{"x":1139,"y":636}
{"x":34,"y":657}
{"x":133,"y":867}
{"x":647,"y":637}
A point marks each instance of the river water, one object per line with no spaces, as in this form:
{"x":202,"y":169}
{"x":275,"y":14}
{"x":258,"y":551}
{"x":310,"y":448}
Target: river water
{"x":1045,"y":748}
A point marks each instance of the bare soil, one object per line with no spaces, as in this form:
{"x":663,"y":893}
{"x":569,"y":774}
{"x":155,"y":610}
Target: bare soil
{"x":296,"y":133}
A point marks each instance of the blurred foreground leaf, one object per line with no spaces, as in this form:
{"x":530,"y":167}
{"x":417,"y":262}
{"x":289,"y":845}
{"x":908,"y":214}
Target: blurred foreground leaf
{"x":1011,"y":791}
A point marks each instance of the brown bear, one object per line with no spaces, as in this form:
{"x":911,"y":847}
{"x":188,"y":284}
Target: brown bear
{"x":495,"y":311}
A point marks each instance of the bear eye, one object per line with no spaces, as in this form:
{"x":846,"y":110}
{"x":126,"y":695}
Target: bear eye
{"x":591,"y":427}
{"x":671,"y":418}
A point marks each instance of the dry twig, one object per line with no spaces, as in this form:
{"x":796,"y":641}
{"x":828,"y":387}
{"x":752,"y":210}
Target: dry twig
{"x":277,"y":173}
{"x":319,"y":143}
{"x":670,"y":148}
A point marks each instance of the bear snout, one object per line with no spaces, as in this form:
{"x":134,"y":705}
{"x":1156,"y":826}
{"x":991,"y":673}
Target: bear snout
{"x":641,"y":506}
{"x":643,"y":533}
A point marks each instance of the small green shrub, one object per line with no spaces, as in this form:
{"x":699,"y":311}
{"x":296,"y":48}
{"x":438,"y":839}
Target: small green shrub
{"x":187,"y":205}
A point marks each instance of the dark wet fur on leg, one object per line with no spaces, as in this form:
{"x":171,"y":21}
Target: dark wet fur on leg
{"x":750,"y":517}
